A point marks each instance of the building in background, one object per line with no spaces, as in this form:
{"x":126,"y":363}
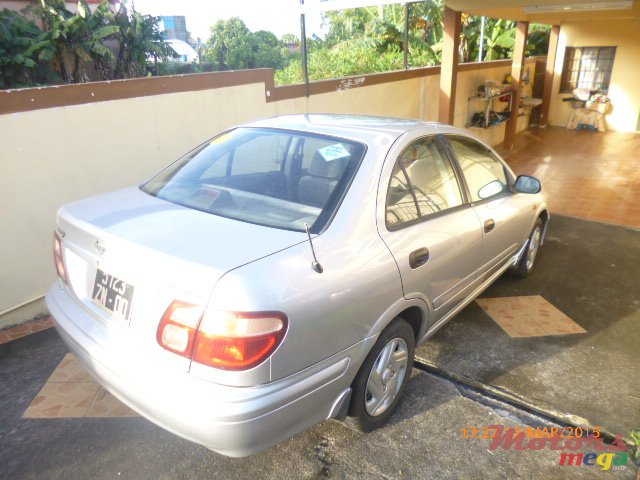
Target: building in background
{"x":175,"y":27}
{"x":186,"y":51}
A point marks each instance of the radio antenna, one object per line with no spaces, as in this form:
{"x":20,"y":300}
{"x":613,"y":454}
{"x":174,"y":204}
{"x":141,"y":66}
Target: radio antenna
{"x":315,"y":264}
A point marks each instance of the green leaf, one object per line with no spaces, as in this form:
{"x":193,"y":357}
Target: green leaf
{"x":105,"y":31}
{"x":506,"y":40}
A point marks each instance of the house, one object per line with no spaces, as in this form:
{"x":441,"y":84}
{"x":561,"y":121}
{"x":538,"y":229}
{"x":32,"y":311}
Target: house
{"x":594,"y":45}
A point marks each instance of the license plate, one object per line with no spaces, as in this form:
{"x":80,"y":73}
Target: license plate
{"x":113,"y":294}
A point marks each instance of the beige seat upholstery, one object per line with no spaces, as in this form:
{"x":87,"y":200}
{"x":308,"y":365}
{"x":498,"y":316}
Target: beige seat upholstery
{"x":315,"y":188}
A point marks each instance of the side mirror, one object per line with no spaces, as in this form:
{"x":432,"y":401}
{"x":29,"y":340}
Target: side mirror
{"x":528,"y":184}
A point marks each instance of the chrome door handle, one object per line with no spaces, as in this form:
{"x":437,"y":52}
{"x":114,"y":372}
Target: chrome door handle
{"x":418,"y":257}
{"x":489,"y":225}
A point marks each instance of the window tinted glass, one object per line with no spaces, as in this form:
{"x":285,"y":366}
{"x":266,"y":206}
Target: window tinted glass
{"x":248,"y":174}
{"x":484,"y":173}
{"x":401,"y":205}
{"x":423,"y":182}
{"x":262,"y":154}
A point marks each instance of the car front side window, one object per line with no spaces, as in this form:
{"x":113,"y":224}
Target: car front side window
{"x":484,"y":173}
{"x":423,"y":182}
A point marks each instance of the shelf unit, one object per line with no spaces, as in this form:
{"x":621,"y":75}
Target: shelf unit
{"x":488,"y":108}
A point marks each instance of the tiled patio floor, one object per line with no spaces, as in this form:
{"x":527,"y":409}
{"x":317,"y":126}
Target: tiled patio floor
{"x":590,"y":175}
{"x":71,"y":392}
{"x":25,"y":329}
{"x":528,"y":316}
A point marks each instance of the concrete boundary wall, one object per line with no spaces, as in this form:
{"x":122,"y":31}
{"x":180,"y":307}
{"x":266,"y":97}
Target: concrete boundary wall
{"x":59,"y":144}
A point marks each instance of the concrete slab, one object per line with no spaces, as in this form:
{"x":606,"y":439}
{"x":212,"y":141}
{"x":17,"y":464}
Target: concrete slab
{"x":425,"y":439}
{"x":591,"y":273}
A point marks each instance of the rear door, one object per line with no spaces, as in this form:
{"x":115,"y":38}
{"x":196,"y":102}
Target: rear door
{"x":427,"y":224}
{"x":506,"y":217}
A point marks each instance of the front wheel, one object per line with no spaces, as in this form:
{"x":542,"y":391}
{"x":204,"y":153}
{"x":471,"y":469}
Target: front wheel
{"x":383,"y":376}
{"x":525,"y":265}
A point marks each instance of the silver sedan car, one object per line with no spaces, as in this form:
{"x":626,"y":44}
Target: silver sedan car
{"x":284,"y":271}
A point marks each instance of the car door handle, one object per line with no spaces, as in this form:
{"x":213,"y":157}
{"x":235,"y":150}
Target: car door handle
{"x":489,"y":225}
{"x":418,"y":257}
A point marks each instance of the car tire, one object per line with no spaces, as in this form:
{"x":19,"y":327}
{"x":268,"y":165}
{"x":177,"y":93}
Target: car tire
{"x":526,"y":263}
{"x":383,"y":376}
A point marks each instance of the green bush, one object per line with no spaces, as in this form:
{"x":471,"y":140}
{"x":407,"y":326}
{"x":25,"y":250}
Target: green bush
{"x":23,"y":46}
{"x":179,"y":68}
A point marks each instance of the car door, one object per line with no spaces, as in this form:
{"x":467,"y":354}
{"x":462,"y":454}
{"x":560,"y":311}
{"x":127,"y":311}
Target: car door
{"x":506,"y":217}
{"x":427,"y":223}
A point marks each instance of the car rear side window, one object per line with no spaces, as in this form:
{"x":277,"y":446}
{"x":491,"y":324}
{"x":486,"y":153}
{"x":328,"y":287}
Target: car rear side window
{"x":484,"y":173}
{"x":256,"y":175}
{"x":423,"y":182}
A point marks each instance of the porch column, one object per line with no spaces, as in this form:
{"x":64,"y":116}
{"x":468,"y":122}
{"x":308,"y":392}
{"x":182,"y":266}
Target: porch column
{"x":548,"y":75}
{"x":449,"y":66}
{"x":517,"y":66}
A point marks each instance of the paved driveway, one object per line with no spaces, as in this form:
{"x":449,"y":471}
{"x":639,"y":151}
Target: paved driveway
{"x":586,"y":273}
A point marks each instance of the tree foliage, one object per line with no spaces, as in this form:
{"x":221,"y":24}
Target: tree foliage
{"x":77,"y":36}
{"x":76,"y":46}
{"x":371,"y":39}
{"x":23,"y":45}
{"x":138,"y":38}
{"x":110,"y":45}
{"x":232,"y":46}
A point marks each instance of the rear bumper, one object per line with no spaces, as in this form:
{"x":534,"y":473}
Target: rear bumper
{"x":234,"y":421}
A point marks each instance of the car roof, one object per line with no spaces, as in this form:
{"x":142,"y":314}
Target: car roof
{"x":358,"y":126}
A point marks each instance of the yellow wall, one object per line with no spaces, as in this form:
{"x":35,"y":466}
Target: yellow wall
{"x":51,"y":156}
{"x":623,"y":88}
{"x":468,"y":83}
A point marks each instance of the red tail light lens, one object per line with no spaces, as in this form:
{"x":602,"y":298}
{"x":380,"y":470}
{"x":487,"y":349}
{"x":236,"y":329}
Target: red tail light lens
{"x":58,"y":259}
{"x":238,"y":341}
{"x":177,"y":329}
{"x":224,"y":340}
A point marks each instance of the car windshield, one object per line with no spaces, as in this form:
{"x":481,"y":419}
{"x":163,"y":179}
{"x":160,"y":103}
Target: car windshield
{"x":277,"y":178}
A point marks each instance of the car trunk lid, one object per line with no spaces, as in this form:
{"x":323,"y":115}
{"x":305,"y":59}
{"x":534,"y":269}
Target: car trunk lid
{"x":147,"y":252}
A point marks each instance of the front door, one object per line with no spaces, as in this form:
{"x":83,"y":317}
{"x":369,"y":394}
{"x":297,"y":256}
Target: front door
{"x":504,"y":215}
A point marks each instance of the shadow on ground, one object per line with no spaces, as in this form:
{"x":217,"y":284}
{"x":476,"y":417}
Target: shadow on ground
{"x":591,"y":272}
{"x":424,"y":439}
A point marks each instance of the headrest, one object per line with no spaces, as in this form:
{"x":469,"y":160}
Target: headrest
{"x":320,"y":167}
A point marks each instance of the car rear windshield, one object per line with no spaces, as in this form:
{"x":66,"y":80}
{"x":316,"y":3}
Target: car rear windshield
{"x":277,"y":178}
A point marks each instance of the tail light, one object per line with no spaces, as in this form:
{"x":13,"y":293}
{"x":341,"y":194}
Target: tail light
{"x":224,"y":340}
{"x":178,"y":327}
{"x":58,"y":259}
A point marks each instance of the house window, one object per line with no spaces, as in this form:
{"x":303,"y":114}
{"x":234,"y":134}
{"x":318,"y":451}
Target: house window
{"x":588,"y":68}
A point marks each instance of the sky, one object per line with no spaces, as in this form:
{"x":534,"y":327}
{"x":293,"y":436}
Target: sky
{"x":277,"y":16}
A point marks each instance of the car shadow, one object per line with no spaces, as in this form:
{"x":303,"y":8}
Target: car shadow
{"x":589,"y":271}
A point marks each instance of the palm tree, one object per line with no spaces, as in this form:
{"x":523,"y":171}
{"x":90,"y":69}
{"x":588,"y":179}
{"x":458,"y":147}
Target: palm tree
{"x":78,"y":35}
{"x":139,"y":39}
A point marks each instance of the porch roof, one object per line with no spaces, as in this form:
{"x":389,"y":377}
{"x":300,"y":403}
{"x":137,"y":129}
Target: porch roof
{"x":553,"y":12}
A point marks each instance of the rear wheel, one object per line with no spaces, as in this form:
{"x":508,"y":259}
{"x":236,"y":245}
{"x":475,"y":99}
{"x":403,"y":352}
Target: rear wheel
{"x":525,"y":265}
{"x":383,"y":376}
